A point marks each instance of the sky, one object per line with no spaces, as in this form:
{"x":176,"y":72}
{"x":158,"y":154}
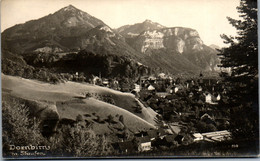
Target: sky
{"x":208,"y":17}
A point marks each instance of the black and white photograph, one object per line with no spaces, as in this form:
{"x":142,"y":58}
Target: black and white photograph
{"x":86,"y":79}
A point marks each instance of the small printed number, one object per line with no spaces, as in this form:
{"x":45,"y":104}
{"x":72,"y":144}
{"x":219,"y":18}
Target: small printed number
{"x":235,"y":146}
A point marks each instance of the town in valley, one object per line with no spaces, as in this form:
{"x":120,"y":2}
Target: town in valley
{"x":167,"y":86}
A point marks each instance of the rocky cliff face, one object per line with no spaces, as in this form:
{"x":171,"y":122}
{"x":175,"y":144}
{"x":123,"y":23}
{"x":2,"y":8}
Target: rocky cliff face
{"x":176,"y":44}
{"x":129,"y":31}
{"x":177,"y":39}
{"x":175,"y":49}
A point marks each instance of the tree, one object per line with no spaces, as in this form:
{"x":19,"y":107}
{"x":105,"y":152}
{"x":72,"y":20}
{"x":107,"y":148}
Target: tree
{"x":28,"y":72}
{"x":79,"y":118}
{"x":210,"y":128}
{"x":18,"y":128}
{"x":128,"y":71}
{"x":241,"y":57}
{"x":121,"y":119}
{"x":202,"y":126}
{"x":78,"y":141}
{"x":53,"y":78}
{"x":110,"y":118}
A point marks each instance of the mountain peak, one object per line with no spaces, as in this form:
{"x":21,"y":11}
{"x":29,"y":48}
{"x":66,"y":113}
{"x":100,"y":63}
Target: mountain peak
{"x":65,"y":23}
{"x":148,"y":21}
{"x":136,"y":29}
{"x":71,"y":16}
{"x":152,"y":25}
{"x":70,"y":8}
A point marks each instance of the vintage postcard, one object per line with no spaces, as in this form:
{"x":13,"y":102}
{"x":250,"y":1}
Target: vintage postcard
{"x":129,"y":79}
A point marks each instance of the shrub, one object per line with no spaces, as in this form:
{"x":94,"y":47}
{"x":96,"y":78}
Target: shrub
{"x":18,"y":129}
{"x":108,"y":99}
{"x":110,"y":118}
{"x":78,"y":141}
{"x":121,"y":119}
{"x":54,"y":78}
{"x":21,"y":130}
{"x":88,"y":95}
{"x":79,"y":118}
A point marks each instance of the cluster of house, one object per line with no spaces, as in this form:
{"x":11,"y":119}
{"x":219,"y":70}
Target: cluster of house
{"x":154,"y":138}
{"x":96,"y":80}
{"x":149,"y":140}
{"x":202,"y":92}
{"x":216,"y":136}
{"x":211,"y":90}
{"x":163,"y":85}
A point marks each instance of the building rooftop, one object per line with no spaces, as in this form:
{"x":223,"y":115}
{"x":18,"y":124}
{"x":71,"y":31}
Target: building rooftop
{"x":197,"y":135}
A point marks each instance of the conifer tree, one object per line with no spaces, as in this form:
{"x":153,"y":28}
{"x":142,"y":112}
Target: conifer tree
{"x":241,"y":57}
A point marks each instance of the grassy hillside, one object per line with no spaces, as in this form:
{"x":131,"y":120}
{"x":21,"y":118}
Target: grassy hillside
{"x":70,"y":102}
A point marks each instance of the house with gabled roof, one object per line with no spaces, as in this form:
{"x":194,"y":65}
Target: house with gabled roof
{"x":176,"y":89}
{"x":153,"y":78}
{"x":208,"y":119}
{"x":206,"y":116}
{"x":137,"y":87}
{"x":150,"y":88}
{"x":96,"y":80}
{"x":105,"y":82}
{"x":162,"y":75}
{"x":218,"y":97}
{"x":143,"y":143}
{"x":209,"y":98}
{"x":197,"y":137}
{"x":162,"y":94}
{"x":217,"y":136}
